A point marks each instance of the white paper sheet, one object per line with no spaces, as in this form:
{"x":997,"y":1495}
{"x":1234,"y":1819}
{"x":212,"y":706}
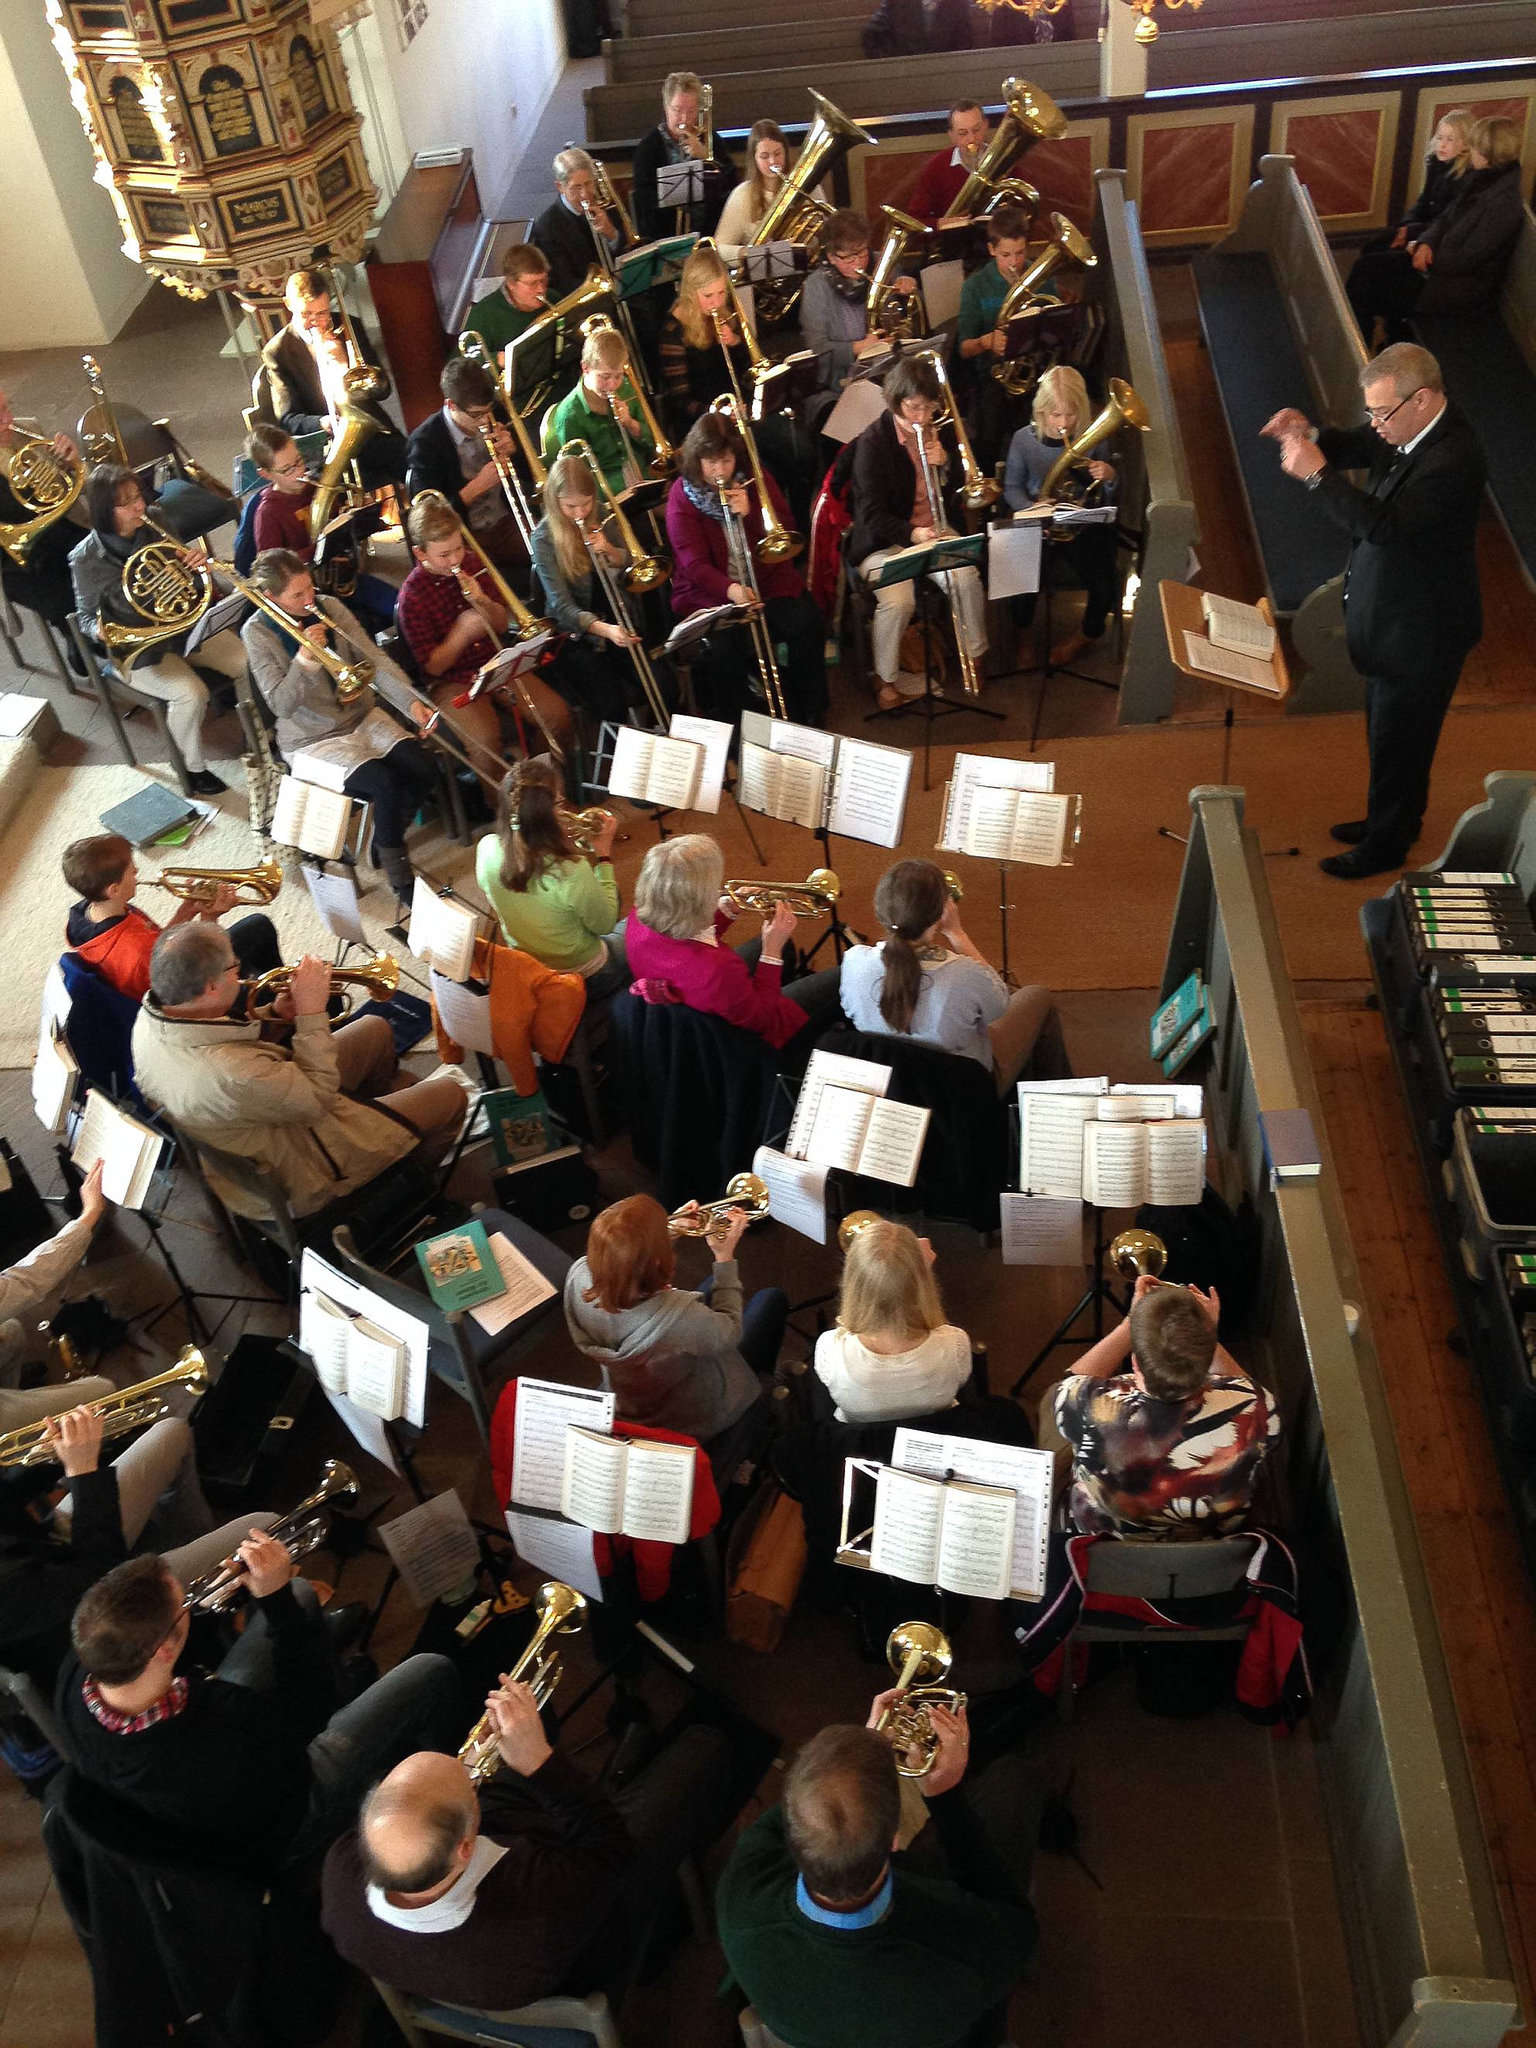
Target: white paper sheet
{"x":526,"y":1287}
{"x":545,"y":1410}
{"x":357,"y":1300}
{"x":368,"y":1431}
{"x":335,"y":899}
{"x":465,"y":1013}
{"x":1013,"y":561}
{"x":563,"y":1549}
{"x":715,"y":738}
{"x":1040,"y":1230}
{"x":869,"y":792}
{"x":432,"y":1547}
{"x":797,"y":1192}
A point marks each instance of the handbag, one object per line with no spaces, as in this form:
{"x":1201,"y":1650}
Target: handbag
{"x":766,"y":1562}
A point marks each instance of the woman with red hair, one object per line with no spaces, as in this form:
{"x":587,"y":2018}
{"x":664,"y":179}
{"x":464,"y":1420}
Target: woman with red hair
{"x":675,"y":1360}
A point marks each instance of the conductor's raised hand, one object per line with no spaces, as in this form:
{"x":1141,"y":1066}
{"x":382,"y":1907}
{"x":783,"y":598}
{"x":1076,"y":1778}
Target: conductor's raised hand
{"x":778,"y":930}
{"x":520,"y":1737}
{"x":311,"y":986}
{"x":1282,"y":425}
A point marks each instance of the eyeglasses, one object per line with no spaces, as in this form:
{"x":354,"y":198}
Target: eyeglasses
{"x":1378,"y":416}
{"x":295,"y":468}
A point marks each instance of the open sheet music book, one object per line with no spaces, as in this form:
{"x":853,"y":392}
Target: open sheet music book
{"x":823,"y":781}
{"x":843,"y":1119}
{"x":973,"y":773}
{"x":1241,"y":628}
{"x":443,"y":931}
{"x":628,"y":1487}
{"x":825,"y":1070}
{"x":546,"y":1409}
{"x":129,"y":1151}
{"x":1254,"y":672}
{"x":55,"y":1077}
{"x":329,"y":762}
{"x":353,"y":1356}
{"x":1023,"y":825}
{"x":654,"y":768}
{"x":1116,"y":1151}
{"x":952,"y":1512}
{"x":311,"y":818}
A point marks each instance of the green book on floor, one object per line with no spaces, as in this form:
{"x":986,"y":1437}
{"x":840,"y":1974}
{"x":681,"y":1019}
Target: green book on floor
{"x":460,"y":1268}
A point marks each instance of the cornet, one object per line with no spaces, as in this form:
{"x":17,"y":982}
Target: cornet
{"x":300,"y":1531}
{"x":582,"y":827}
{"x":813,"y":897}
{"x":128,"y":1409}
{"x":917,"y":1651}
{"x":380,"y":976}
{"x":746,"y":1191}
{"x":258,"y":884}
{"x":560,"y":1611}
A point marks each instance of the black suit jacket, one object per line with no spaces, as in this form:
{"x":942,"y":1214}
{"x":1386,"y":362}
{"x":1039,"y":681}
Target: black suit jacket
{"x":897,"y":28}
{"x":883,"y":490}
{"x":432,"y":462}
{"x":1412,"y":608}
{"x":653,"y":220}
{"x":293,"y":381}
{"x":567,"y":241}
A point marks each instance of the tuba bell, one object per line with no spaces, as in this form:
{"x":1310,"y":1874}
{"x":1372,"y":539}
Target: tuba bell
{"x":560,"y":1610}
{"x":380,"y":976}
{"x":794,"y":213}
{"x":811,"y":898}
{"x":1029,"y":116}
{"x":898,"y":314}
{"x":1121,"y":409}
{"x":918,"y":1653}
{"x":853,"y":1225}
{"x":43,"y":484}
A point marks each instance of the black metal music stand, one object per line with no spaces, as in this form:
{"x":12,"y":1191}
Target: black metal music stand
{"x":1095,"y":1294}
{"x":913,"y":566}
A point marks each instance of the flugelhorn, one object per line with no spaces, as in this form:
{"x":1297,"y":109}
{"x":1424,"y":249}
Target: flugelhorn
{"x":258,"y":884}
{"x":300,"y":1531}
{"x":560,"y":1610}
{"x":918,"y":1653}
{"x":746,"y":1191}
{"x":1135,"y":1252}
{"x":128,"y":1409}
{"x":43,"y":483}
{"x":380,"y":976}
{"x":813,"y":897}
{"x":1121,"y":409}
{"x":163,"y":587}
{"x":1029,"y":116}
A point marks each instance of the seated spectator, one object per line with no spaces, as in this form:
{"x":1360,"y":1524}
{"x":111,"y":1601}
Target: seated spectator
{"x":517,"y":301}
{"x":558,"y":904}
{"x":673,"y":942}
{"x":1172,"y":1446}
{"x":255,"y":1759}
{"x":537,"y":1884}
{"x":840,"y":1940}
{"x":278,"y":517}
{"x":107,"y":928}
{"x":891,"y":1355}
{"x":927,"y":980}
{"x":604,"y":411}
{"x":593,"y":667}
{"x":911,"y":28}
{"x":675,"y":1360}
{"x":1062,"y":408}
{"x":291,"y":1110}
{"x":1447,"y":163}
{"x":1456,"y":262}
{"x":450,"y":453}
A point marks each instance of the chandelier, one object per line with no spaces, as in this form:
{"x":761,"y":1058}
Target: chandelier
{"x":1146,"y":27}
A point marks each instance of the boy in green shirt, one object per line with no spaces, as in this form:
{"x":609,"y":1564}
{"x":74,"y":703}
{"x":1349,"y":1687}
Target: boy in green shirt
{"x":604,"y":411}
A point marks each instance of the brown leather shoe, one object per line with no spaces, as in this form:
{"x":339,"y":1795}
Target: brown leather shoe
{"x":1068,"y":650}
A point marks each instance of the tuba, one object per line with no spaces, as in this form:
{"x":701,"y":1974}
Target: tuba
{"x":129,"y":1409}
{"x":742,"y":1191}
{"x":162,"y":587}
{"x":898,"y":314}
{"x":813,"y":897}
{"x":1135,"y":1252}
{"x":1121,"y":409}
{"x":380,"y":976}
{"x":1065,"y":244}
{"x":560,"y":1610}
{"x":794,"y":213}
{"x":918,"y":1653}
{"x":1029,"y":116}
{"x":258,"y":884}
{"x":300,"y":1531}
{"x":43,"y":483}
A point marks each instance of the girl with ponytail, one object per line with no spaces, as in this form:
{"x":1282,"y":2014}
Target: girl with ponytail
{"x":552,"y":901}
{"x":928,"y":981}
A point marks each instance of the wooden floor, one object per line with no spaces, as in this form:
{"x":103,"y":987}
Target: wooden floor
{"x":1482,"y":1596}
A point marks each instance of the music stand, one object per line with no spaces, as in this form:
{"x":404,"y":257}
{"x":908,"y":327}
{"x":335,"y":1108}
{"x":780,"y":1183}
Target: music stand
{"x":1094,"y":1296}
{"x":680,"y":186}
{"x":791,"y":379}
{"x":950,"y":551}
{"x":1182,"y":614}
{"x":641,"y":270}
{"x":772,"y":262}
{"x":602,"y":762}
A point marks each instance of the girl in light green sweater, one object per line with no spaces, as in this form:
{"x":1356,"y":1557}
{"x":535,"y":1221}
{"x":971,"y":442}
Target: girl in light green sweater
{"x":558,"y":904}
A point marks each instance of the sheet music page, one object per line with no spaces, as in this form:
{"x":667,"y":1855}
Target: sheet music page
{"x":288,"y":810}
{"x":1040,"y":828}
{"x":797,"y":1192}
{"x":442,"y":932}
{"x":465,"y":1013}
{"x":105,"y":1133}
{"x":757,"y":787}
{"x":1234,"y":625}
{"x":715,"y":737}
{"x":1027,"y":1473}
{"x":1051,"y":1143}
{"x":831,"y":1069}
{"x":837,"y":1132}
{"x":802,"y":798}
{"x":940,"y":286}
{"x":563,"y":1549}
{"x":860,"y":401}
{"x":336,"y":904}
{"x":526,"y":1287}
{"x":987,"y":771}
{"x":1013,"y":560}
{"x":630,"y":768}
{"x":311,"y":818}
{"x":1176,"y":1162}
{"x":376,"y":1371}
{"x":803,"y":741}
{"x":1186,"y":1098}
{"x":324,"y":1332}
{"x":990,"y":825}
{"x":545,"y":1410}
{"x":433,"y":1547}
{"x":893,"y":1141}
{"x":367,"y":1431}
{"x":869,"y":792}
{"x":976,"y":1540}
{"x":658,"y":1492}
{"x":592,"y":1485}
{"x":673,"y":778}
{"x":1040,"y":1230}
{"x":908,"y":1513}
{"x":1226,"y":662}
{"x":1115,"y":1165}
{"x":1135,"y":1105}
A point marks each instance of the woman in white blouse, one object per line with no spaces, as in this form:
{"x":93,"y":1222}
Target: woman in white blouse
{"x":891,"y":1355}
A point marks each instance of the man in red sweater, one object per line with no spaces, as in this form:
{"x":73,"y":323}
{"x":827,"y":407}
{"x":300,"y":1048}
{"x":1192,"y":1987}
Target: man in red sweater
{"x":107,"y":929}
{"x":939,"y":181}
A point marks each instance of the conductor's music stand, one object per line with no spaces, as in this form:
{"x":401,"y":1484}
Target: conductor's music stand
{"x":951,"y":551}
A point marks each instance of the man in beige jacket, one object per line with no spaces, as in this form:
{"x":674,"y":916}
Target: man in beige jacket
{"x":292,"y":1110}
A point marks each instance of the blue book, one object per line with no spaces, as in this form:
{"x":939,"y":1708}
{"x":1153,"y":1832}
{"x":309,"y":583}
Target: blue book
{"x":1291,"y":1150}
{"x":1173,"y":1018}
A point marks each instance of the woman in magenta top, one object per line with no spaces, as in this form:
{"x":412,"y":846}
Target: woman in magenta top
{"x":675,"y":942}
{"x":716,"y":479}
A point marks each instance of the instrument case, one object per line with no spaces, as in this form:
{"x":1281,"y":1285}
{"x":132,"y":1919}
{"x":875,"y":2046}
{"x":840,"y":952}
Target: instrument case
{"x":244,"y":1423}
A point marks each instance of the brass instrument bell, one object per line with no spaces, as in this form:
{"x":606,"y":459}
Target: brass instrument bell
{"x":953,"y":886}
{"x":748,"y":1191}
{"x":380,"y":976}
{"x":853,"y":1224}
{"x":810,"y":898}
{"x":918,"y":1652}
{"x":560,"y":1609}
{"x":1029,"y":116}
{"x":1134,"y":1252}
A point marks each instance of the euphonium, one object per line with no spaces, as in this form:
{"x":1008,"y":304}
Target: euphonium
{"x":162,"y":587}
{"x":258,"y":884}
{"x":354,"y":426}
{"x":1121,"y":409}
{"x":1135,"y":1252}
{"x":42,"y":483}
{"x":918,"y":1653}
{"x":810,"y":898}
{"x":380,"y":976}
{"x":742,"y":1191}
{"x":1030,"y":116}
{"x":128,"y":1409}
{"x":560,"y":1610}
{"x":1065,"y":244}
{"x":300,"y":1531}
{"x":898,"y":314}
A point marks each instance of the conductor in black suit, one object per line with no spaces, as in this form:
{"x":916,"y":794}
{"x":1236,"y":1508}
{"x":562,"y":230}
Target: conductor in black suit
{"x":1412,"y":609}
{"x":907,"y":28}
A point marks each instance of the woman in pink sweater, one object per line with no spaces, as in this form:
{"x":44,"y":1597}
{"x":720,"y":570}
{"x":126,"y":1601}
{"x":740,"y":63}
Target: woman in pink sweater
{"x":675,"y":944}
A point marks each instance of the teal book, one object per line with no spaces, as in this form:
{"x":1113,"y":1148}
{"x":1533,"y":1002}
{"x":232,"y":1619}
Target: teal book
{"x":460,"y":1268}
{"x":520,"y":1125}
{"x":1190,"y":1040}
{"x":1172,"y":1019}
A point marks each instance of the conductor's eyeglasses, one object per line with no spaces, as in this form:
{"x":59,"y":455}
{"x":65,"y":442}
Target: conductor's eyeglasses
{"x":1379,"y":415}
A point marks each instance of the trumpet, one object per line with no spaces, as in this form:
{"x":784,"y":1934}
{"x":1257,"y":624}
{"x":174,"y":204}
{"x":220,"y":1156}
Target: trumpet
{"x":258,"y":884}
{"x":918,"y":1653}
{"x":300,"y":1531}
{"x":746,"y":1191}
{"x":380,"y":976}
{"x":43,"y":483}
{"x":560,"y":1610}
{"x":1134,"y":1252}
{"x":813,"y":897}
{"x":128,"y":1409}
{"x":162,"y":587}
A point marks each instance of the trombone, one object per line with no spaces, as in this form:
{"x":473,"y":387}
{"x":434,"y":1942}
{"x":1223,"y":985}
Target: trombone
{"x":745,"y":1191}
{"x":258,"y":884}
{"x":970,"y":680}
{"x":128,"y":1409}
{"x":760,"y":366}
{"x":814,"y":897}
{"x":778,"y":543}
{"x":350,"y":678}
{"x":664,"y":461}
{"x":560,"y":1610}
{"x":978,"y":491}
{"x":642,"y":572}
{"x":300,"y":1531}
{"x":611,"y":203}
{"x":472,"y":348}
{"x":380,"y":976}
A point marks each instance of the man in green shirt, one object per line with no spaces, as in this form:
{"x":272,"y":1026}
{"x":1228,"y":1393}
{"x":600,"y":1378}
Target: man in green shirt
{"x":838,"y":1942}
{"x":516,"y":304}
{"x":604,"y":412}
